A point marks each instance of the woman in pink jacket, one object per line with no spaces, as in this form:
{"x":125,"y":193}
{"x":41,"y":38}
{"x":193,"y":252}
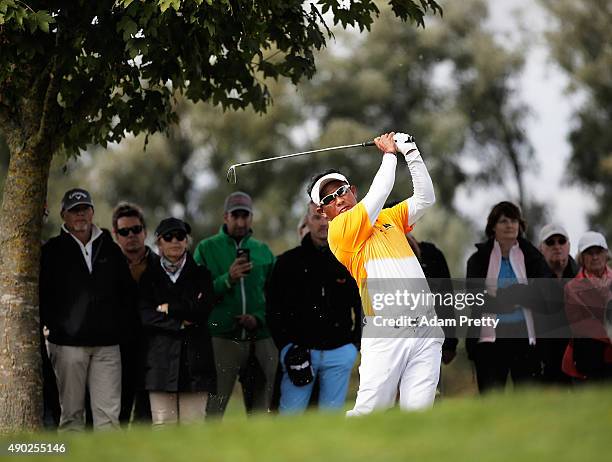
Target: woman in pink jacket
{"x":588,"y":304}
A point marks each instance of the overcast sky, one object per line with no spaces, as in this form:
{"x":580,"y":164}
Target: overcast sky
{"x":543,"y":89}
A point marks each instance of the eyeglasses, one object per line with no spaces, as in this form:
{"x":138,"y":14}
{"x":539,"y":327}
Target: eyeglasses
{"x":561,"y":240}
{"x":125,"y":232}
{"x":179,"y":235}
{"x":341,"y":191}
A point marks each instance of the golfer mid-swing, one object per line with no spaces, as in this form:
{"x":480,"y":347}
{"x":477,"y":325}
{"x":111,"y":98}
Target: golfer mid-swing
{"x":399,"y":352}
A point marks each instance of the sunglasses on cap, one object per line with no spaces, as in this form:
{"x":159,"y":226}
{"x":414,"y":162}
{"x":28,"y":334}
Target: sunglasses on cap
{"x":125,"y":232}
{"x":552,"y":240}
{"x":341,"y":191}
{"x":178,"y":234}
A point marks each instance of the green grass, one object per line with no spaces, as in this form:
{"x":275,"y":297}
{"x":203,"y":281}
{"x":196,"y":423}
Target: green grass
{"x":531,"y":425}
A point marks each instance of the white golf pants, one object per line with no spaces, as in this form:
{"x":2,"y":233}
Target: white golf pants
{"x":410,"y":365}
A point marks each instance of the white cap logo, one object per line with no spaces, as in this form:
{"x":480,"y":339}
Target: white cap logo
{"x":78,"y":195}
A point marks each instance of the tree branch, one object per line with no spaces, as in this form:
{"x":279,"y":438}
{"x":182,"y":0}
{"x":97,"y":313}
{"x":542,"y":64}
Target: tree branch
{"x":513,"y":157}
{"x":49,"y":113}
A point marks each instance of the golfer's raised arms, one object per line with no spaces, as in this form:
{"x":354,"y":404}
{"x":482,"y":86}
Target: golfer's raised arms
{"x":370,"y":241}
{"x":381,"y":187}
{"x":423,"y":196}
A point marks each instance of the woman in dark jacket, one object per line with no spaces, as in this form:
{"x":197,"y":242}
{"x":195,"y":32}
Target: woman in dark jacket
{"x":175,"y":301}
{"x":504,"y":267}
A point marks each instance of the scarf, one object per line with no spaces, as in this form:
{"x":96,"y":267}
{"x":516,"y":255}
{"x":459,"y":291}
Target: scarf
{"x":173,"y":268}
{"x":517,"y":261}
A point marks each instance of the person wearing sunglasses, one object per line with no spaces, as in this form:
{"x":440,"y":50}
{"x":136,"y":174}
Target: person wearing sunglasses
{"x":553,"y":329}
{"x":555,"y":246}
{"x":588,"y":304}
{"x":130,"y":232}
{"x":370,"y":242}
{"x":175,"y":300}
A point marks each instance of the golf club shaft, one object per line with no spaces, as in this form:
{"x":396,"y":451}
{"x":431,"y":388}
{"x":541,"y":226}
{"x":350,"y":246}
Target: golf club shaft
{"x":295,"y":154}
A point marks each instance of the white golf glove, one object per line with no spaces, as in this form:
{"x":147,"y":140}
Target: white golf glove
{"x":405,"y":143}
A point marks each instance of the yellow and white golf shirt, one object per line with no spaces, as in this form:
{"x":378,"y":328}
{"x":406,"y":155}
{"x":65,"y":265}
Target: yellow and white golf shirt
{"x":369,"y":241}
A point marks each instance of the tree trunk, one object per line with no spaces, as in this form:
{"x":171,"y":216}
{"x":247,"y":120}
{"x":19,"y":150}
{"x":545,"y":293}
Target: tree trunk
{"x":20,"y":229}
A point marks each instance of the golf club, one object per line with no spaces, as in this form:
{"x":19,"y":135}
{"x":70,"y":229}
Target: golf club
{"x":231,"y":172}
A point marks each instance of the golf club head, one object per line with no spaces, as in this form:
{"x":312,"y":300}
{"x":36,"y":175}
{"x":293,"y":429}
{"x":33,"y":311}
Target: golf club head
{"x":231,"y":175}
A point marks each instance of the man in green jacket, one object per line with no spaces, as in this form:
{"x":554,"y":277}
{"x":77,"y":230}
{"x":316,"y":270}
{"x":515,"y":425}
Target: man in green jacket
{"x":240,"y":266}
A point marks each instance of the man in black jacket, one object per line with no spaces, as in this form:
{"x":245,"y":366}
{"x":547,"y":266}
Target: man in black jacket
{"x":554,"y":331}
{"x":130,"y":232}
{"x":438,"y":276}
{"x":314,"y":313}
{"x":86,"y":295}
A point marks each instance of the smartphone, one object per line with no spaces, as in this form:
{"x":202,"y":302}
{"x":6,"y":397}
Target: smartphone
{"x":245,"y":254}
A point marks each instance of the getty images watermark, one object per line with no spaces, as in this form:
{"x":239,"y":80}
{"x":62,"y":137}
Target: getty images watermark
{"x":413,"y":302}
{"x":468,"y":308}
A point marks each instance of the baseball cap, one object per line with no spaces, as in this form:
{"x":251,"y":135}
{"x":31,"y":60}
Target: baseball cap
{"x":298,"y":365}
{"x":321,"y":182}
{"x":238,"y":201}
{"x":592,"y":239}
{"x":552,"y":229}
{"x":172,"y":224}
{"x":74,"y":197}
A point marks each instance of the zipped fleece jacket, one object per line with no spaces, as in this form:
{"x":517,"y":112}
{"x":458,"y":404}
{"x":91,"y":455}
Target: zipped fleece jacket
{"x":247,"y":296}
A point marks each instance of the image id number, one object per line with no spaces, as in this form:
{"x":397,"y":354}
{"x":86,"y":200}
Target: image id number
{"x":35,"y":448}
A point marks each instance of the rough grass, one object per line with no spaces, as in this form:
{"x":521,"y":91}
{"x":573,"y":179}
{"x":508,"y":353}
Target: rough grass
{"x":533,"y":425}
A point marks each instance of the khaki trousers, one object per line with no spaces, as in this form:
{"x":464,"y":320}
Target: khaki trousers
{"x":78,"y":367}
{"x":171,"y":408}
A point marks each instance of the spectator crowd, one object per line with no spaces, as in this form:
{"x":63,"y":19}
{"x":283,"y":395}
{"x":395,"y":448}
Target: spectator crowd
{"x":133,"y":334}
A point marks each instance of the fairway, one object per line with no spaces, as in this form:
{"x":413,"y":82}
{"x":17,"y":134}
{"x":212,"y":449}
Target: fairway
{"x":535,"y":425}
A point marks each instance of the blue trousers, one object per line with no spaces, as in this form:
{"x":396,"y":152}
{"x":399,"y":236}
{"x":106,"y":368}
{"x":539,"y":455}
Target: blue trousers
{"x":333,"y":367}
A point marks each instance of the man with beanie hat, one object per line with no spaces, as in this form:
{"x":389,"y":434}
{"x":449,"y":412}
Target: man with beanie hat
{"x":240,"y":267}
{"x":86,"y":295}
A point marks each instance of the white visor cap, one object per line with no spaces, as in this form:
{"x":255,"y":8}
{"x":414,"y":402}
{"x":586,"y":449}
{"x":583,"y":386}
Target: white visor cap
{"x":321,"y":182}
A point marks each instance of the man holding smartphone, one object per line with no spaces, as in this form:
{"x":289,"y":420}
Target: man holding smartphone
{"x":240,"y":266}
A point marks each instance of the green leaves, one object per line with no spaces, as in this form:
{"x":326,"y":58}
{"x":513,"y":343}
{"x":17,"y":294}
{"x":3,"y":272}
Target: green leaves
{"x":411,"y":10}
{"x":20,"y":16}
{"x":119,"y":62}
{"x":165,"y":4}
{"x":127,"y":27}
{"x":585,"y":25}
